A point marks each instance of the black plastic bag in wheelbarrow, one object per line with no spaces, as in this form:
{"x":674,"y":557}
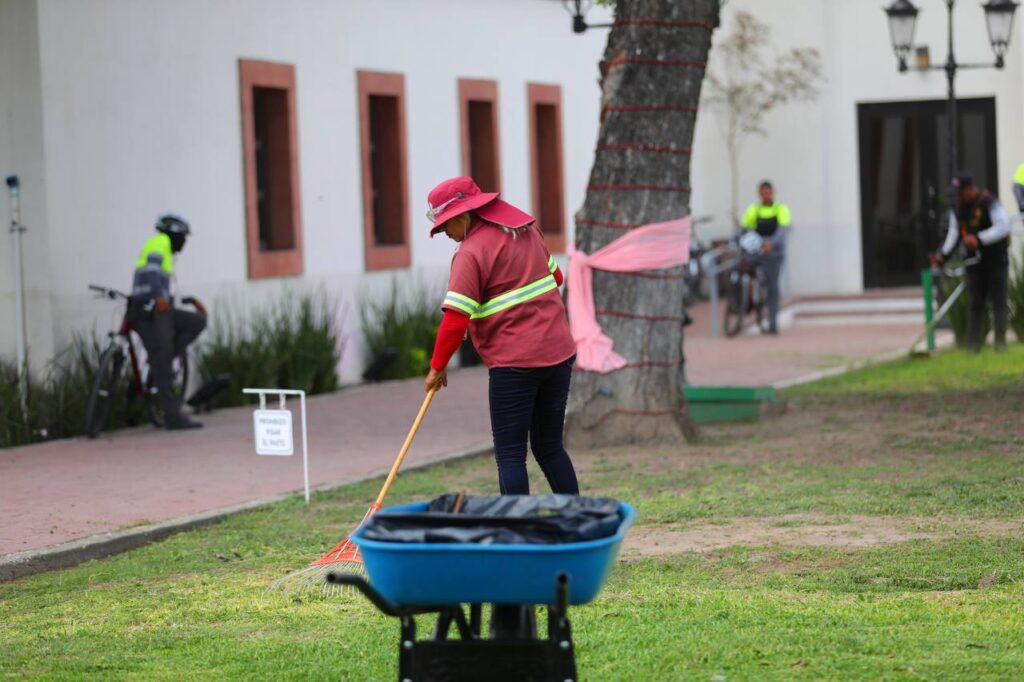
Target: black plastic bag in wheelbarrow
{"x":506,"y":519}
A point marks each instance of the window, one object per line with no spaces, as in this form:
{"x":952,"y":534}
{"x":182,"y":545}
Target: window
{"x":270,"y":152}
{"x":385,"y":183}
{"x":478,"y":110}
{"x":545,"y":114}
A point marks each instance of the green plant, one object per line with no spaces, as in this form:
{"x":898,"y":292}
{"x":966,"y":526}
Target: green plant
{"x":399,"y":329}
{"x":56,"y":402}
{"x":292,"y":342}
{"x":1016,"y":296}
{"x":959,"y":311}
{"x":14,"y":428}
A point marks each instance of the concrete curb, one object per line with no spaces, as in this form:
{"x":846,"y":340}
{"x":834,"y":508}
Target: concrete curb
{"x":65,"y":555}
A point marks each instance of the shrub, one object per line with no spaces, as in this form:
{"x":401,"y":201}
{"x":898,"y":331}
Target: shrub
{"x":60,"y":399}
{"x":399,"y":329}
{"x":56,"y":402}
{"x":1016,"y":296}
{"x":14,"y":429}
{"x":958,"y":313}
{"x":292,"y":342}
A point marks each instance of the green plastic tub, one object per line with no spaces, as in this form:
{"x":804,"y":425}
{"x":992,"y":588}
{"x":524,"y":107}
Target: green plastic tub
{"x":712,"y":404}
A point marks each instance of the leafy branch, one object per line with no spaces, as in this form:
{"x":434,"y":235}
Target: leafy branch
{"x":743,"y":85}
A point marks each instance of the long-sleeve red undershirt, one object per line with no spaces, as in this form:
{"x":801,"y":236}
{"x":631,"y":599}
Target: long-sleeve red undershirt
{"x":453,"y":330}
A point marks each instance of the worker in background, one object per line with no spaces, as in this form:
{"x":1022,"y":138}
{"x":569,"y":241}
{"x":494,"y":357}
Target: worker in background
{"x":981,"y":226}
{"x":166,"y":331}
{"x":771,"y":220}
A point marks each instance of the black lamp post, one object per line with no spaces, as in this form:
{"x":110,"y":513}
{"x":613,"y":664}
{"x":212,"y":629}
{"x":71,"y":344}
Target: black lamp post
{"x":999,"y":19}
{"x":578,"y":9}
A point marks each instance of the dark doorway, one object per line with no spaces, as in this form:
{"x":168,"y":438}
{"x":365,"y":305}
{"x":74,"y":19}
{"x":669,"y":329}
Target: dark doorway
{"x":904,"y":166}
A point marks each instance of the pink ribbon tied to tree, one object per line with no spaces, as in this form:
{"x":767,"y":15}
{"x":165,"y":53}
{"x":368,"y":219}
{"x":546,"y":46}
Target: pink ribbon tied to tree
{"x":650,"y":247}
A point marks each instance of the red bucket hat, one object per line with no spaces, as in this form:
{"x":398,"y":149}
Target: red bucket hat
{"x":455,"y":196}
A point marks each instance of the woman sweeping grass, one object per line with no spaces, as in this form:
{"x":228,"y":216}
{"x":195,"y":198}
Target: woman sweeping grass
{"x":504,"y":290}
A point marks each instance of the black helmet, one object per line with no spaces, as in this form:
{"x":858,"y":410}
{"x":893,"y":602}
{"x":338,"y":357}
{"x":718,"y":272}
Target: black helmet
{"x":172,"y":225}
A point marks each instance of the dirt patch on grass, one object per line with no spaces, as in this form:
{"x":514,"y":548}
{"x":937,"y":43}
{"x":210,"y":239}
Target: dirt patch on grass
{"x":806,"y":530}
{"x":850,"y":431}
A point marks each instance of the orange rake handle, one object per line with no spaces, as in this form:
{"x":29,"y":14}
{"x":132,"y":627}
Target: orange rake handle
{"x":405,"y":447}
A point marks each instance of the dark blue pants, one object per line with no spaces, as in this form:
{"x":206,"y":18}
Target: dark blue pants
{"x":772,"y":266}
{"x":987,"y":282}
{"x":529,"y":404}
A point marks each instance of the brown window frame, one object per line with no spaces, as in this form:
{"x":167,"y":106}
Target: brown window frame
{"x":388,"y":256}
{"x":541,"y":94}
{"x":474,"y":90}
{"x":281,"y":262}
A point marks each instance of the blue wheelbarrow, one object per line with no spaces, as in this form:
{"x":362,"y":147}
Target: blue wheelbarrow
{"x":451,"y":579}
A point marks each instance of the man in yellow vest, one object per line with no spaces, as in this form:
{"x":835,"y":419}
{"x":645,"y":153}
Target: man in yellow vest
{"x":771,"y":221}
{"x":165,"y":330}
{"x":1018,"y":187}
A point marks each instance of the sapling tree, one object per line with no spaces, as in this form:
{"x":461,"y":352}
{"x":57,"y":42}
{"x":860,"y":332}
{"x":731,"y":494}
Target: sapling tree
{"x":745,"y":83}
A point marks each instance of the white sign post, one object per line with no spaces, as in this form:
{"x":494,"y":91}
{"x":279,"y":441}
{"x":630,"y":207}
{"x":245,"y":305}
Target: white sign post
{"x":272,"y":429}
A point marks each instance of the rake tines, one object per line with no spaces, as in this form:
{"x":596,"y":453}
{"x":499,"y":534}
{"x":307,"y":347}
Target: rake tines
{"x":344,"y":557}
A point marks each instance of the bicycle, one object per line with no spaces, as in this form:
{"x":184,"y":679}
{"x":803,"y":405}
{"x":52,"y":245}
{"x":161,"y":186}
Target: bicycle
{"x":748,"y":286}
{"x":110,"y":368}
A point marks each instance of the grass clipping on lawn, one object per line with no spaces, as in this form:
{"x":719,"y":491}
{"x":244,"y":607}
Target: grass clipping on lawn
{"x":872,"y":532}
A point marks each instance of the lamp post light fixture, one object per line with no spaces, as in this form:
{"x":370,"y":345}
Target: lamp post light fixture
{"x":902,"y":21}
{"x":902,"y":15}
{"x":999,"y":20}
{"x":578,"y":9}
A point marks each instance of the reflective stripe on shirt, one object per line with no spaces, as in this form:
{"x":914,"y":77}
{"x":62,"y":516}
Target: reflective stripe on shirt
{"x":516,"y":296}
{"x":460,"y":302}
{"x":498,"y":303}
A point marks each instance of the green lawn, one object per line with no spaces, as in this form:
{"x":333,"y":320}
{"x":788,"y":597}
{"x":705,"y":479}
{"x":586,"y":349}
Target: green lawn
{"x":926,"y":454}
{"x":945,"y":372}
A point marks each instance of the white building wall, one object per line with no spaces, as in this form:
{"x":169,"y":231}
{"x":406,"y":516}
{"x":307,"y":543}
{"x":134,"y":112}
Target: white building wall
{"x":21,"y":154}
{"x":811,"y":150}
{"x":120,"y":110}
{"x":142,"y":116}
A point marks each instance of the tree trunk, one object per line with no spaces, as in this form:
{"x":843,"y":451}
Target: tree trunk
{"x":651,"y":78}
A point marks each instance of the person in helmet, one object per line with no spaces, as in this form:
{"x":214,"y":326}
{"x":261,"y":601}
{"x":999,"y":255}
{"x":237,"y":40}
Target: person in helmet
{"x":165,"y":330}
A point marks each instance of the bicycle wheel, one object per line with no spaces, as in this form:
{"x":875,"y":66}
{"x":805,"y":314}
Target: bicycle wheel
{"x":736,"y":306}
{"x":104,"y":386}
{"x":179,"y":382}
